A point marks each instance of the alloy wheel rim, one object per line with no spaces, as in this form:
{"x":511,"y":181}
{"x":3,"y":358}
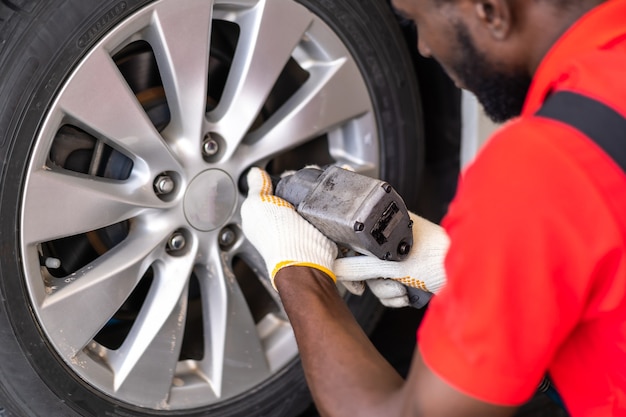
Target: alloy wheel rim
{"x":121,"y":181}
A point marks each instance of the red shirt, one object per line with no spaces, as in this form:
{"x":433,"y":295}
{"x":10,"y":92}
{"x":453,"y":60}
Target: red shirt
{"x":537,"y":262}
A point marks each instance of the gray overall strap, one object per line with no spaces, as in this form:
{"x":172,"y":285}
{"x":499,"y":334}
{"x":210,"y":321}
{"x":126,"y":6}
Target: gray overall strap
{"x":596,"y":120}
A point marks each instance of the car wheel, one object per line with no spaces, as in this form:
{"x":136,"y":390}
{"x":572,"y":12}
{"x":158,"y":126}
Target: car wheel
{"x":127,"y":286}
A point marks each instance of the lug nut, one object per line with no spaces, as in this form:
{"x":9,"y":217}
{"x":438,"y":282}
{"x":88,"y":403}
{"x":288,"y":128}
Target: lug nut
{"x":210,"y":147}
{"x":163,"y":184}
{"x":177,"y":242}
{"x":227,"y":237}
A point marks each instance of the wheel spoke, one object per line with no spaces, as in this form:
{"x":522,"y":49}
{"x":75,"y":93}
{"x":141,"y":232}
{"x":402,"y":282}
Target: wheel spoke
{"x":215,"y":311}
{"x":234,"y":356}
{"x":97,"y":291}
{"x":61,"y":204}
{"x":255,"y":261}
{"x":151,"y":377}
{"x":327,"y":100}
{"x":159,"y":325}
{"x":180,"y":40}
{"x":124,"y":124}
{"x":266,"y":43}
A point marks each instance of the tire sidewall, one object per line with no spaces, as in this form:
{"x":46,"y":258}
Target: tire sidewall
{"x":50,"y":39}
{"x":370,"y":31}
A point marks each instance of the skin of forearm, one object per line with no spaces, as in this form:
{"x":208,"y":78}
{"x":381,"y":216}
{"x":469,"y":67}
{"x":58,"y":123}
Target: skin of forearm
{"x":346,"y":374}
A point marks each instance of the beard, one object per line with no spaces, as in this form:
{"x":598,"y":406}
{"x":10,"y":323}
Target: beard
{"x":501,"y":93}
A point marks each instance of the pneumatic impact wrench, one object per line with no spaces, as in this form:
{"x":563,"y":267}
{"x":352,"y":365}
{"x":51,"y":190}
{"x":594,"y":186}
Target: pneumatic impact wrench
{"x":364,"y":214}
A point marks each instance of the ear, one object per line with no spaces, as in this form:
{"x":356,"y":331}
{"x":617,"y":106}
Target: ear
{"x":495,"y":15}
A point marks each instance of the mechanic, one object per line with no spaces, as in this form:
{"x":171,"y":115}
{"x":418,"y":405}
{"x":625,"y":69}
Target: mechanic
{"x":536,"y":266}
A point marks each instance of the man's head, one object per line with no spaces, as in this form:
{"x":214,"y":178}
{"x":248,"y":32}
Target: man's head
{"x":491,"y":47}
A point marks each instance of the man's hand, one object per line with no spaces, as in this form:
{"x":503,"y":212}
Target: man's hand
{"x":279,"y":233}
{"x":423,"y":268}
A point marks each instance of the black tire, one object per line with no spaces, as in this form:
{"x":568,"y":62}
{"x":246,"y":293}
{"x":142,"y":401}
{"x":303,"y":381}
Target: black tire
{"x":41,"y":44}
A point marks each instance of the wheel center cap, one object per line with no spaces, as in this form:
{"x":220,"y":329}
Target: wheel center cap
{"x":210,"y":200}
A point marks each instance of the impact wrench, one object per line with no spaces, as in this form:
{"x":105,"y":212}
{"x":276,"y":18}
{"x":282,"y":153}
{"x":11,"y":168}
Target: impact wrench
{"x":355,"y":211}
{"x":362,"y":213}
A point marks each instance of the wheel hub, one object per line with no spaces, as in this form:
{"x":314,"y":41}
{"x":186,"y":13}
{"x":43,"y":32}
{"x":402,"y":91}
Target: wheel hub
{"x":210,"y":200}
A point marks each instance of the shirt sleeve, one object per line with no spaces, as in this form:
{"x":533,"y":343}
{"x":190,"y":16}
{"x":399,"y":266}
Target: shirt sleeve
{"x":518,"y":267}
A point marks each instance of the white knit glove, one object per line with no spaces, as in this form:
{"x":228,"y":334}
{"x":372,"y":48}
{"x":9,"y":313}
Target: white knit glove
{"x":279,"y":233}
{"x":422,"y":269}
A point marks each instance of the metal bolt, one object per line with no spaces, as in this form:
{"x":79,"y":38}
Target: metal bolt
{"x":163,"y":184}
{"x":227,"y":237}
{"x":358,"y":227}
{"x":387,"y":187}
{"x":404,"y":248}
{"x":177,"y":242}
{"x":210,"y":147}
